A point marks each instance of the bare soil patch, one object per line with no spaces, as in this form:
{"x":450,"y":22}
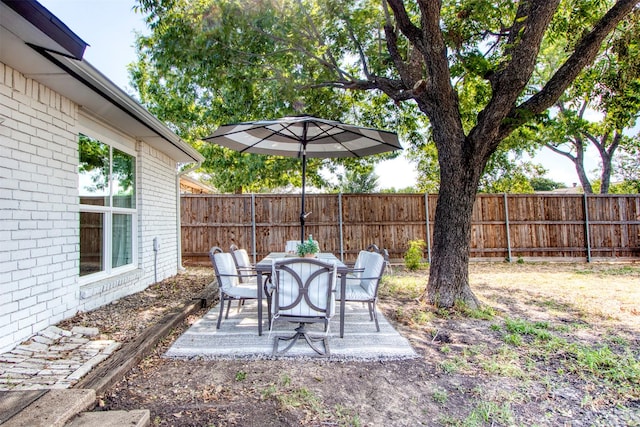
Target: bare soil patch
{"x":555,"y":345}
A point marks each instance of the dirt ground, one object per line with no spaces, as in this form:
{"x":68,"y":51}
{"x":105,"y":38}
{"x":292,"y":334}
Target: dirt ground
{"x":472,"y":370}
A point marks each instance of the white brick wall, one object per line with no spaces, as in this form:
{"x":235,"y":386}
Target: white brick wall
{"x":159,"y":205}
{"x":39,"y":213}
{"x":38,"y":199}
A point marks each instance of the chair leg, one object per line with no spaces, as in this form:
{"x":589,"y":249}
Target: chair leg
{"x":375,"y":315}
{"x":228,"y":307}
{"x":221,"y":311}
{"x":301,"y":331}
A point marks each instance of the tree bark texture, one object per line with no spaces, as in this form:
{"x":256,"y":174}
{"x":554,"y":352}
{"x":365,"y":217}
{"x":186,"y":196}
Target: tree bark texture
{"x":449,"y":275}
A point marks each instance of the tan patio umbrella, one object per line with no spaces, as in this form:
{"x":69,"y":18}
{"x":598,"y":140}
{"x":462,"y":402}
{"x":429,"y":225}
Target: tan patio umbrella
{"x":302,"y":137}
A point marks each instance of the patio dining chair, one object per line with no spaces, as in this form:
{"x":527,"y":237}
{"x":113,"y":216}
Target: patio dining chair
{"x":303,"y":293}
{"x":229,"y":284}
{"x":384,"y":253}
{"x":243,"y":263}
{"x":362,"y":285}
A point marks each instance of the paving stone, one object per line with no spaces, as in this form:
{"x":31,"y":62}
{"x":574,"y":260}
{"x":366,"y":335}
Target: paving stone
{"x":42,"y":380}
{"x":43,"y":340}
{"x":34,"y":347}
{"x":54,"y":358}
{"x":88,"y":332}
{"x":51,"y":333}
{"x":76,"y":341}
{"x":111,"y":348}
{"x":30,"y":364}
{"x":21,"y":352}
{"x":23,"y":371}
{"x":13,"y":375}
{"x":11,"y":358}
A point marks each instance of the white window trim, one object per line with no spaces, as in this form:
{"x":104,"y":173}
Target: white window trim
{"x":94,"y":130}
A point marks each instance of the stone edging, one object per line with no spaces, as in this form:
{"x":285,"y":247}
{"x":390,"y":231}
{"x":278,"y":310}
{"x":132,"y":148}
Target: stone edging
{"x":130,"y":354}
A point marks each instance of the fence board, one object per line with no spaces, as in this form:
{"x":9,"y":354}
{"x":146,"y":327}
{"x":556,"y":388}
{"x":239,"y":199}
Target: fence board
{"x":540,"y":225}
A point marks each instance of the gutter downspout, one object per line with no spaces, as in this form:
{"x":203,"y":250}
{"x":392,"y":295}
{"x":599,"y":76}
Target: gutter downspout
{"x":178,"y":213}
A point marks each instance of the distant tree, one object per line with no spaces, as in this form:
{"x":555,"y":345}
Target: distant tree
{"x":545,"y":184}
{"x":405,"y":190}
{"x":628,"y":169}
{"x":358,"y":181}
{"x":611,"y":90}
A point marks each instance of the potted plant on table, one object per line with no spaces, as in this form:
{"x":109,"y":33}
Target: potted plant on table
{"x":308,"y":248}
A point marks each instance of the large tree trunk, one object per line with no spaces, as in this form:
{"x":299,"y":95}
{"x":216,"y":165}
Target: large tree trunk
{"x":449,"y":275}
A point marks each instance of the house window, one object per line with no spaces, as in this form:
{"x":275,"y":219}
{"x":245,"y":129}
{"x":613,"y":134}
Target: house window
{"x":106,"y":184}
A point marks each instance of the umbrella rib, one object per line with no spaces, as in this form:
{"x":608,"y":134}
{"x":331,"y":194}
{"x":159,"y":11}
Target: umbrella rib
{"x":325,"y":134}
{"x":273,"y":132}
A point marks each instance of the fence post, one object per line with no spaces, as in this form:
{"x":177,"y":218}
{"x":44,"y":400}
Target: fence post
{"x":340,"y":227}
{"x":426,"y":211}
{"x":586,"y":226}
{"x":253,"y":226}
{"x":506,"y":219}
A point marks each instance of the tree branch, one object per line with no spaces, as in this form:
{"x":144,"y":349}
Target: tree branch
{"x":528,"y":28}
{"x":411,"y":32}
{"x":583,"y":55}
{"x":559,"y":151}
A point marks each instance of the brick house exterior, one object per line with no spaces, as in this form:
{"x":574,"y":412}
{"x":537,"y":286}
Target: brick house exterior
{"x":48,"y":97}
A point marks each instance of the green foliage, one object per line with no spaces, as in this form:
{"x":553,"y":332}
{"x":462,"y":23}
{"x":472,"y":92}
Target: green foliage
{"x":485,"y":312}
{"x":513,"y":339}
{"x":358,"y":181}
{"x":402,"y":286}
{"x":309,"y":246}
{"x":490,"y":413}
{"x":213,"y":62}
{"x":544,"y":184}
{"x":99,"y":163}
{"x":440,"y":396}
{"x":609,"y":90}
{"x":522,"y":327}
{"x":413,"y":256}
{"x":94,"y":157}
{"x":627,"y":167}
{"x":453,"y":365}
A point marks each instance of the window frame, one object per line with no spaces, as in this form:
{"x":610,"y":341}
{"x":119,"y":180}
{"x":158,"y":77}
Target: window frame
{"x":109,"y":211}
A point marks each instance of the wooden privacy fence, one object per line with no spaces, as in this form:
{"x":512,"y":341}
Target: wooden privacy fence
{"x":504,"y":226}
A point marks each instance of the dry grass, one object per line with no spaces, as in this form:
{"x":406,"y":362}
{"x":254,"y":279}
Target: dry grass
{"x":599,"y":294}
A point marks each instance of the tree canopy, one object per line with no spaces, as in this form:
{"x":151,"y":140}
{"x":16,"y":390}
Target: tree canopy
{"x":600,"y":108}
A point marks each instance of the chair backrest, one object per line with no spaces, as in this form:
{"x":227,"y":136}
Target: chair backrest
{"x":372,"y":264}
{"x":225,"y":268}
{"x":212,"y":251}
{"x":373,"y":248}
{"x":291,"y":246}
{"x":303,"y":288}
{"x":243,"y":264}
{"x":385,"y":253}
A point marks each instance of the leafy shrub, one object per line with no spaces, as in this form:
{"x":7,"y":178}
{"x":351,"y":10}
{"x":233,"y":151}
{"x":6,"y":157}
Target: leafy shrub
{"x":413,"y":256}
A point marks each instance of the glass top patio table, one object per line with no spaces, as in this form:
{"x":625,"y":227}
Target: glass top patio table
{"x":263,"y":267}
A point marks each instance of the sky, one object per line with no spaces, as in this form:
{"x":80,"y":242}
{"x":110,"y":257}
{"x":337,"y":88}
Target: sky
{"x":109,"y":27}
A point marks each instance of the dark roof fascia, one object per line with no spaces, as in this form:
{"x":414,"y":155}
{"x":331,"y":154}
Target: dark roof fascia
{"x":87,"y":82}
{"x":49,"y":24}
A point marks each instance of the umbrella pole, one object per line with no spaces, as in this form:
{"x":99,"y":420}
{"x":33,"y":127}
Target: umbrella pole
{"x":304,"y":179}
